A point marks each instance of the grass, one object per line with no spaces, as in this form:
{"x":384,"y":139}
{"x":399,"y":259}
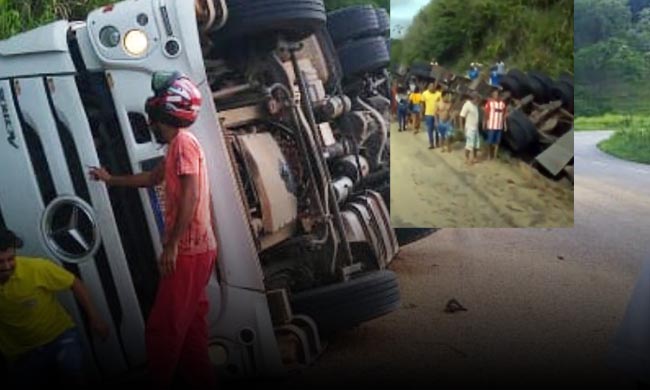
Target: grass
{"x":631,"y":144}
{"x":612,"y":122}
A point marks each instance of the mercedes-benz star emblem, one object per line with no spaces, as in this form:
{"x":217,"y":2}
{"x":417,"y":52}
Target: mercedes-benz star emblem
{"x":70,"y":229}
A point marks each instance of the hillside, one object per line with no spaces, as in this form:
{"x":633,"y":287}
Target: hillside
{"x":612,"y":43}
{"x":528,"y":34}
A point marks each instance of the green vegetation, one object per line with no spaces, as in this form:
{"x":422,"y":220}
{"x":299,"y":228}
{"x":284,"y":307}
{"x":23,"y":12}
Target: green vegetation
{"x":19,"y":15}
{"x":612,"y":59}
{"x":528,"y":34}
{"x":612,"y":122}
{"x":630,"y":144}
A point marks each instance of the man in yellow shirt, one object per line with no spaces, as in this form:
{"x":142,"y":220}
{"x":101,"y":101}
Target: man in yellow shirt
{"x":430,"y":98}
{"x":37,"y":335}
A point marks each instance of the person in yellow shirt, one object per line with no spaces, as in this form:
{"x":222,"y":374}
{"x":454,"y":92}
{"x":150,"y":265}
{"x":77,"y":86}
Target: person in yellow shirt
{"x":415,"y":100}
{"x":430,"y":98}
{"x":37,"y":335}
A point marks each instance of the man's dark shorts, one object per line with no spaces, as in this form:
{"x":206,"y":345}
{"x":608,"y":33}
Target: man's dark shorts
{"x":494,"y":136}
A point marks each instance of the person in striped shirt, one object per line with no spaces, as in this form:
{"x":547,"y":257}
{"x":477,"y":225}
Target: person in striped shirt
{"x":494,"y":121}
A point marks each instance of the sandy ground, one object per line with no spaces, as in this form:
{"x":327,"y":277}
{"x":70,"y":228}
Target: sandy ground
{"x":434,"y":189}
{"x":543,"y":304}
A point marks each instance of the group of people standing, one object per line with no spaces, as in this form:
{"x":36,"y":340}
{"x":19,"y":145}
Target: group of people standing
{"x":434,"y":107}
{"x":431,"y":105}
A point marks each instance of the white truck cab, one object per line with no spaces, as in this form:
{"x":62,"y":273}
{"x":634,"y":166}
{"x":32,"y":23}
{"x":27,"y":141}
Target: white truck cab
{"x":296,"y":142}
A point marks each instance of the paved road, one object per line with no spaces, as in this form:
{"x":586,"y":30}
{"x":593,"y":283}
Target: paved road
{"x":543,"y":303}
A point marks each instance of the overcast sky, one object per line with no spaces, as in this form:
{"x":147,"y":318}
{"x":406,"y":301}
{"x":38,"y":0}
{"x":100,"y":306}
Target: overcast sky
{"x":402,"y":13}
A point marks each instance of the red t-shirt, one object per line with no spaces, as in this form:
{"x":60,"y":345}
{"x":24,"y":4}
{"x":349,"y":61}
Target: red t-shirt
{"x":185,"y":157}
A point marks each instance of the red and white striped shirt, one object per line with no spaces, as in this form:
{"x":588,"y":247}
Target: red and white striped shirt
{"x":495,"y":111}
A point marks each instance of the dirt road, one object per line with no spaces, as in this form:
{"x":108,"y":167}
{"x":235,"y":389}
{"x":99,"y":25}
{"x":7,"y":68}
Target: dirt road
{"x":434,"y":189}
{"x":542,"y":304}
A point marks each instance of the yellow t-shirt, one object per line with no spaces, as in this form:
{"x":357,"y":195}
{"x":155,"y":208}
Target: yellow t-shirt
{"x":415,"y":97}
{"x":431,"y":100}
{"x":30,"y":314}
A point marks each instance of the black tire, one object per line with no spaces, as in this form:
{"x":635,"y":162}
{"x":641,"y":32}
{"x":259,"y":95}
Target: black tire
{"x":563,"y":91}
{"x":295,"y":19}
{"x":546,"y":83}
{"x":344,"y":305}
{"x":384,"y":22}
{"x":521,"y":79}
{"x":352,"y":22}
{"x":406,"y":236}
{"x":538,"y":90}
{"x":363,"y":56}
{"x":512,"y":85}
{"x":522,"y":133}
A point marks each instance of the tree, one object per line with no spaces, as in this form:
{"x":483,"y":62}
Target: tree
{"x":598,"y":20}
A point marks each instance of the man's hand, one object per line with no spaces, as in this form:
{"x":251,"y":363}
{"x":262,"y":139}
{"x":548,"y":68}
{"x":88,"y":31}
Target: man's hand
{"x":100,"y":328}
{"x":167,"y":263}
{"x":99,"y":174}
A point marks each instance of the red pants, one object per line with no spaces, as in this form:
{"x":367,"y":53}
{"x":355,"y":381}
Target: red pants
{"x":177,"y":328}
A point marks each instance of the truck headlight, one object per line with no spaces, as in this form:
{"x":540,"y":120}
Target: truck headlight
{"x":136,"y":42}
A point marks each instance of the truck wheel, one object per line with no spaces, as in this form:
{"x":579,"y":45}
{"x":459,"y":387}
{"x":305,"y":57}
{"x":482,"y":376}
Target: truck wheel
{"x":521,"y":79}
{"x":546,"y":83}
{"x":296,"y":19}
{"x":563,"y":90}
{"x":384,"y":22}
{"x":538,"y":90}
{"x":363,"y":55}
{"x":511,"y":85}
{"x":352,"y":23}
{"x":406,"y":236}
{"x":344,"y":305}
{"x":521,"y":134}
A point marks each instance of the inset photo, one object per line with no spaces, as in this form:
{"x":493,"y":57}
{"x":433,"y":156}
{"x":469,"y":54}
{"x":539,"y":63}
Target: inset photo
{"x":482,"y":113}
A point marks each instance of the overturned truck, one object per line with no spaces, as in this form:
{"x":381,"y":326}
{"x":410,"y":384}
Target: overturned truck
{"x":296,"y":142}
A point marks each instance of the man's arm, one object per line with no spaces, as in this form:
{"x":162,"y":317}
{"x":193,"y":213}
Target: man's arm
{"x":188,"y":200}
{"x":486,"y":110}
{"x":96,"y":323}
{"x":143,"y":179}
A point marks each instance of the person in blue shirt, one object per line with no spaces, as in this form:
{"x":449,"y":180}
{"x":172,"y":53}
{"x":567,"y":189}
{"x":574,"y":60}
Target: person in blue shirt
{"x":495,"y":77}
{"x":473,"y":71}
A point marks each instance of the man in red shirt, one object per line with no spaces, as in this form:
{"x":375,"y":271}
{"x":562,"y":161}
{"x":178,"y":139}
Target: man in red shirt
{"x":177,"y":330}
{"x":494,"y":121}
